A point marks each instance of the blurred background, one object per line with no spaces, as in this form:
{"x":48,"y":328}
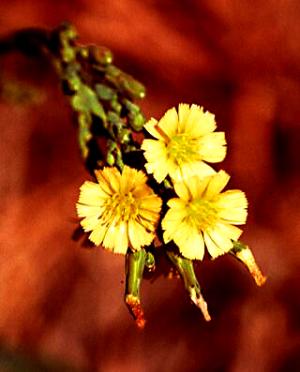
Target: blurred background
{"x":59,"y":302}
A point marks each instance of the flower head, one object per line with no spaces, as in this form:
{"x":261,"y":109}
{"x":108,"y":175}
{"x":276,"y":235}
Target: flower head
{"x":183,"y":143}
{"x":202,"y":215}
{"x":120,"y":210}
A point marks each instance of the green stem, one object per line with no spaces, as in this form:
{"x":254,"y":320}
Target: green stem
{"x":244,"y":254}
{"x":135,"y":264}
{"x":186,"y":270}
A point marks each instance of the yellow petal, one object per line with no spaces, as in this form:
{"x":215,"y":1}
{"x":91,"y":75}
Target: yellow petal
{"x":151,"y":203}
{"x":236,"y":216}
{"x":140,"y":179}
{"x":138,"y":236}
{"x":191,"y":169}
{"x":160,"y":172}
{"x":176,"y":173}
{"x":127,"y":179}
{"x":230,"y":231}
{"x":232,"y":206}
{"x":183,"y":113}
{"x":220,"y":239}
{"x":113,"y":177}
{"x":171,"y":165}
{"x":182,"y":233}
{"x":131,"y":179}
{"x":88,"y":210}
{"x":97,"y":234}
{"x":194,"y":247}
{"x":142,"y":192}
{"x":103,"y":182}
{"x":153,"y":149}
{"x":169,"y":123}
{"x":193,"y":186}
{"x":91,"y":194}
{"x":170,"y":227}
{"x":216,"y":184}
{"x":121,"y":238}
{"x":199,"y":123}
{"x":150,"y":126}
{"x":232,"y":199}
{"x":146,"y":223}
{"x":212,"y":246}
{"x":212,"y":147}
{"x":174,"y":214}
{"x":177,"y":203}
{"x":109,"y":239}
{"x":89,"y":223}
{"x":182,"y":191}
{"x":189,"y":242}
{"x":156,"y":155}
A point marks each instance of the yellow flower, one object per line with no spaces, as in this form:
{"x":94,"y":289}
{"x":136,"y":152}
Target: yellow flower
{"x":203,"y":215}
{"x":120,"y":210}
{"x":183,"y":143}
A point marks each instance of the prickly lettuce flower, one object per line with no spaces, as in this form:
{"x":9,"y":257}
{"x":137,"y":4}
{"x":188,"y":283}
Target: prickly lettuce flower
{"x":204,"y":216}
{"x":120,"y":210}
{"x":183,"y":143}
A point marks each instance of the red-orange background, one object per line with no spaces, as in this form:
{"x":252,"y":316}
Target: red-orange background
{"x":240,"y":60}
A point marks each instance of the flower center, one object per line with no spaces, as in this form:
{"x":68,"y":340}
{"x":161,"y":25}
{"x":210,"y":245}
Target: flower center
{"x":121,"y":207}
{"x":202,"y":214}
{"x":182,"y":148}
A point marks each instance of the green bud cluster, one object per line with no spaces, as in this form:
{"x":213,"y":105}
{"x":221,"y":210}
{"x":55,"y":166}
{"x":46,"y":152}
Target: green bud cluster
{"x":101,"y":95}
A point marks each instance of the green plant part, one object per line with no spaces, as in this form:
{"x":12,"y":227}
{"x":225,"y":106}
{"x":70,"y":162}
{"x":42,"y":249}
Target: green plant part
{"x":134,"y":268}
{"x":186,"y":270}
{"x":105,"y":93}
{"x":66,"y":34}
{"x":99,"y":89}
{"x":114,"y":154}
{"x":124,"y":83}
{"x":243,"y":253}
{"x":85,"y":100}
{"x":84,"y":133}
{"x":150,"y":262}
{"x":136,"y":119}
{"x":99,"y":55}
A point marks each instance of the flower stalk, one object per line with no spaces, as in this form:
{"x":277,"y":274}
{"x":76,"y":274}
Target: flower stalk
{"x":244,"y":254}
{"x":186,"y":270}
{"x":134,"y":268}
